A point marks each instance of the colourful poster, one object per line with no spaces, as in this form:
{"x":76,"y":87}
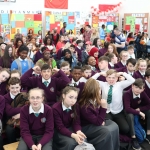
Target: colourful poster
{"x":25,"y":20}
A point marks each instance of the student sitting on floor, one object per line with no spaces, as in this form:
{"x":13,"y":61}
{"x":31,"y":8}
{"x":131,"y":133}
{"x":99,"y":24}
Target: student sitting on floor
{"x":36,"y":123}
{"x":147,"y":82}
{"x":15,"y":73}
{"x":112,"y":91}
{"x":136,"y":102}
{"x":130,"y":50}
{"x":112,"y":60}
{"x":4,"y":76}
{"x":103,"y":134}
{"x":11,"y":112}
{"x":141,"y":67}
{"x":22,"y":63}
{"x":2,"y":106}
{"x":67,"y":121}
{"x":124,"y":57}
{"x":86,"y":73}
{"x":46,"y":82}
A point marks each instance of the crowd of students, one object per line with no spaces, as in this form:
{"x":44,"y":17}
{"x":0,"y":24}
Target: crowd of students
{"x":78,"y":91}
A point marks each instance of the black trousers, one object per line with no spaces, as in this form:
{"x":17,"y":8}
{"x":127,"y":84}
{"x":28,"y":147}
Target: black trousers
{"x":130,"y":119}
{"x":120,"y":120}
{"x":1,"y":142}
{"x":12,"y":133}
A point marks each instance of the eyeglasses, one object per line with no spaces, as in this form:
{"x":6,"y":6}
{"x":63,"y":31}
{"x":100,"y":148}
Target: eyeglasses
{"x":35,"y":98}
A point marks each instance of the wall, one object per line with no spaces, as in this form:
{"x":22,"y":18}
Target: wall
{"x":129,"y":6}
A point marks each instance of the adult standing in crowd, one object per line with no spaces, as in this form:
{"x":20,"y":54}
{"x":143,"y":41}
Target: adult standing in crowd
{"x":63,"y":30}
{"x":18,"y":34}
{"x":119,"y":40}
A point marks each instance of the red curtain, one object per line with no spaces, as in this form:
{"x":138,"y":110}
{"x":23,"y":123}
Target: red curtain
{"x":57,"y":4}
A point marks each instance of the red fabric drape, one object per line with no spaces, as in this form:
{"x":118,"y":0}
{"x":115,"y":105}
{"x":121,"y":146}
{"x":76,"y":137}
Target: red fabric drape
{"x":58,"y":4}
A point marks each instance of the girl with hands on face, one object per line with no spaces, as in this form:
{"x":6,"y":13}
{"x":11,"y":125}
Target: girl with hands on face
{"x":68,"y":132}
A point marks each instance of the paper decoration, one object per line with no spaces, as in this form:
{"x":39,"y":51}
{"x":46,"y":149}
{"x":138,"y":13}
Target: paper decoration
{"x":127,"y":27}
{"x":25,"y":22}
{"x":71,"y":20}
{"x":145,"y":20}
{"x":5,"y":18}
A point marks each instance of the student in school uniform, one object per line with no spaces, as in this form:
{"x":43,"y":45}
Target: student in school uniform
{"x":112,"y":49}
{"x":103,"y":67}
{"x":76,"y":74}
{"x":15,"y":73}
{"x":11,"y":112}
{"x":130,"y":50}
{"x":136,"y":102}
{"x":79,"y":49}
{"x":46,"y":82}
{"x":129,"y":68}
{"x":91,"y":61}
{"x":112,"y":60}
{"x":124,"y":57}
{"x":38,"y":54}
{"x":86,"y":73}
{"x":4,"y":76}
{"x":147,"y":82}
{"x":65,"y":67}
{"x":36,"y":123}
{"x":67,"y":121}
{"x":22,"y":63}
{"x":112,"y":91}
{"x":103,"y":134}
{"x":141,"y":67}
{"x":7,"y":58}
{"x":2,"y":106}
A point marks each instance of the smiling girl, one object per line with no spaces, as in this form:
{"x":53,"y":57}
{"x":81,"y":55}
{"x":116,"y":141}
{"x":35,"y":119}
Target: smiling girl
{"x":36,"y":123}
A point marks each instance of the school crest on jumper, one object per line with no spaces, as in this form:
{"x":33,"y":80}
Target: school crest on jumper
{"x":72,"y":115}
{"x":52,"y":89}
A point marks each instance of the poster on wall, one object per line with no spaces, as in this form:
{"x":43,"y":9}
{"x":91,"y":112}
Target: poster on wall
{"x":24,"y":21}
{"x":56,"y":19}
{"x":135,"y":22}
{"x":109,"y":21}
{"x":5,"y":25}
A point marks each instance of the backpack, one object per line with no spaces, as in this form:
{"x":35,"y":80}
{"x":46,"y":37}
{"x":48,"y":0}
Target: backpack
{"x":20,"y":100}
{"x":139,"y":131}
{"x":84,"y":146}
{"x":125,"y":142}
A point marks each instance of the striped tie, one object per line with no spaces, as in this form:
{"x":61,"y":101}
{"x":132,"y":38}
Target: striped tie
{"x":109,"y":98}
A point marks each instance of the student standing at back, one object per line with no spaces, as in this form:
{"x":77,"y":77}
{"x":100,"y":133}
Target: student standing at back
{"x":22,"y":63}
{"x":147,"y":82}
{"x":63,"y":30}
{"x":67,"y":121}
{"x":36,"y":123}
{"x":46,"y":82}
{"x":112,"y":91}
{"x":103,"y":134}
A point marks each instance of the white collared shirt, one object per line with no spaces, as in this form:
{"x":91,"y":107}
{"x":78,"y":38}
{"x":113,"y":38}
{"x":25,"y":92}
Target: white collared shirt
{"x":49,"y":81}
{"x":83,"y":79}
{"x":132,"y":56}
{"x":124,"y":63}
{"x":116,"y":106}
{"x":111,"y":64}
{"x":93,"y":68}
{"x":143,"y":74}
{"x":148,"y":84}
{"x":35,"y":73}
{"x":12,"y":96}
{"x":22,"y":59}
{"x":73,"y":82}
{"x":131,"y":73}
{"x":41,"y":110}
{"x":64,"y":107}
{"x":135,"y":96}
{"x":78,"y":47}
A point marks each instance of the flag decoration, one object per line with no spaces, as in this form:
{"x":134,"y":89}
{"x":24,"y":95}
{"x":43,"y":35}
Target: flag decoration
{"x":56,"y":4}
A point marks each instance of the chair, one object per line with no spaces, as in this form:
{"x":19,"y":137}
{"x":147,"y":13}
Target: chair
{"x":12,"y":146}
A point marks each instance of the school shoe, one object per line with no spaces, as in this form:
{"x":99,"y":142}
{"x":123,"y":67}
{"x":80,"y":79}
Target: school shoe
{"x":135,"y":144}
{"x":148,"y":138}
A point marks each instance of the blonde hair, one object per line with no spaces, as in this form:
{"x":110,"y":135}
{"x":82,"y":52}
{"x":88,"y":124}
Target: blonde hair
{"x":138,"y":63}
{"x":122,"y":53}
{"x":110,"y":72}
{"x":91,"y":91}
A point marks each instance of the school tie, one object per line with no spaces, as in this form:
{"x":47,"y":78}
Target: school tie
{"x":75,"y":84}
{"x":36,"y":114}
{"x":67,"y":110}
{"x":136,"y":98}
{"x":46,"y":83}
{"x":109,"y":98}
